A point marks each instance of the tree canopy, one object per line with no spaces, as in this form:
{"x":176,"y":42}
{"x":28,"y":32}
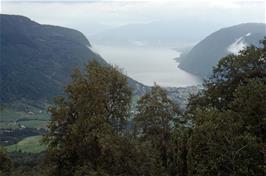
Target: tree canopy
{"x":229,"y":118}
{"x":95,"y":131}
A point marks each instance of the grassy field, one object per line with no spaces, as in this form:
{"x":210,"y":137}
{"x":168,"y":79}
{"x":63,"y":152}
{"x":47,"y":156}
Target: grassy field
{"x":35,"y":123}
{"x":31,"y":144}
{"x":20,"y":116}
{"x":28,"y":117}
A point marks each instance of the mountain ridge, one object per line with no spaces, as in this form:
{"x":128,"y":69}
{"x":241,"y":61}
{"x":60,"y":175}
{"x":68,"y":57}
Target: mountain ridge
{"x":156,"y":33}
{"x":206,"y":54}
{"x":37,"y":60}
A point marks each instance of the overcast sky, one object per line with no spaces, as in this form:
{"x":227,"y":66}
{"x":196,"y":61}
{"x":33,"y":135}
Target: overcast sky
{"x":94,"y":16}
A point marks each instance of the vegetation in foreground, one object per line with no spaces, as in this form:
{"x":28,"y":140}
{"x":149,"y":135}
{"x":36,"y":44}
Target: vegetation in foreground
{"x":221,"y":133}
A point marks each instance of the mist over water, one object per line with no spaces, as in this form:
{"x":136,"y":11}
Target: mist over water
{"x":148,"y":64}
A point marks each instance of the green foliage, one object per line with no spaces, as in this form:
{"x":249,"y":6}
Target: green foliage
{"x":222,"y":133}
{"x":218,"y":146}
{"x":87,"y":129}
{"x":229,"y":118}
{"x":5,"y":162}
{"x":27,"y":164}
{"x":250,"y":106}
{"x":28,"y":171}
{"x":231,"y":72}
{"x":156,"y":121}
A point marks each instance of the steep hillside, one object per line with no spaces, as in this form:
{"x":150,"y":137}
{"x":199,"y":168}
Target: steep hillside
{"x":37,"y":60}
{"x":231,"y":40}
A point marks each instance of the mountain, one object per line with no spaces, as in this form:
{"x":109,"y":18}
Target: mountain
{"x":206,"y":54}
{"x":157,"y":33}
{"x":37,"y":60}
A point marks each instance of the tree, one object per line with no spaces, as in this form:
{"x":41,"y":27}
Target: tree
{"x":87,"y":125}
{"x":87,"y":133}
{"x":231,"y":72}
{"x":249,"y":105}
{"x":155,"y":122}
{"x":218,"y":146}
{"x":228,"y":135}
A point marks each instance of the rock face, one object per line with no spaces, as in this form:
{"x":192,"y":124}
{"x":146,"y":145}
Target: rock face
{"x":37,"y":60}
{"x":231,"y":40}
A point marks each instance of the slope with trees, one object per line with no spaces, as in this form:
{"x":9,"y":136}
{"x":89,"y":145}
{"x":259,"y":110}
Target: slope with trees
{"x":221,"y":133}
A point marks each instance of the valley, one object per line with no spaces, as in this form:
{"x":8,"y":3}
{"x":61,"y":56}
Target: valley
{"x":170,"y":97}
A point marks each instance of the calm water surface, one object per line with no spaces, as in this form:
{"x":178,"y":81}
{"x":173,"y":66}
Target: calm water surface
{"x":148,"y":65}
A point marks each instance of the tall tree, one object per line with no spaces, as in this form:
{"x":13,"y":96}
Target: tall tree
{"x":249,"y":105}
{"x":229,"y":118}
{"x":231,"y":72}
{"x":218,"y":146}
{"x":86,"y":128}
{"x":155,"y":122}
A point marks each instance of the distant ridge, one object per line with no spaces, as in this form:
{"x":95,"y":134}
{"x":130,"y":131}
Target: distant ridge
{"x":206,"y":54}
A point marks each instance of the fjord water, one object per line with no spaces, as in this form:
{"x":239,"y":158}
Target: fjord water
{"x":148,"y":64}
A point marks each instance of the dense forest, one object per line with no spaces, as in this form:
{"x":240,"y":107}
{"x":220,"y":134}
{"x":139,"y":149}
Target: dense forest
{"x":94,"y":131}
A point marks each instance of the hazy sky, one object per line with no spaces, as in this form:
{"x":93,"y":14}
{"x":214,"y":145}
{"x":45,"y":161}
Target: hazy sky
{"x":94,"y":16}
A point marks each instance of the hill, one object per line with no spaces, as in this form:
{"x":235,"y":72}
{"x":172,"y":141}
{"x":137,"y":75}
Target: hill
{"x":37,"y":60}
{"x":206,"y":54}
{"x":31,"y":144}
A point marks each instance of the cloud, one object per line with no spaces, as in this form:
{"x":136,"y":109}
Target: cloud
{"x":91,"y":16}
{"x":237,"y":46}
{"x":231,"y":4}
